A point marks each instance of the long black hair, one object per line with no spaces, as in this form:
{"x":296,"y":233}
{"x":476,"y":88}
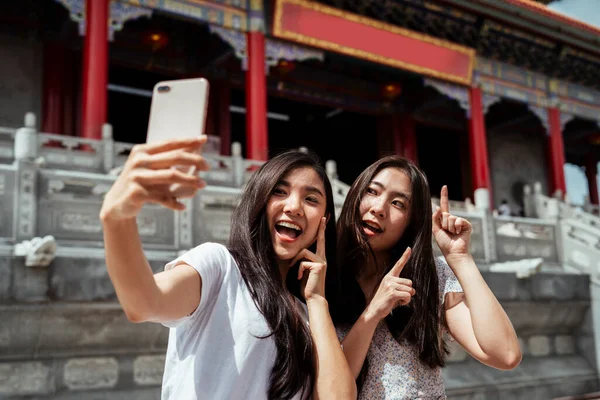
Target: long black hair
{"x":251,"y":246}
{"x":421,"y":321}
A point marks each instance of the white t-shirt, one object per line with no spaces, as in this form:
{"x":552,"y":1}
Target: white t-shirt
{"x":216,"y":352}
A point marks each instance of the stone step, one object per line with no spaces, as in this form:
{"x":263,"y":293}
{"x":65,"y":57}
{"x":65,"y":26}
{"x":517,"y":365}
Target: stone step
{"x":140,"y":377}
{"x":536,"y":378}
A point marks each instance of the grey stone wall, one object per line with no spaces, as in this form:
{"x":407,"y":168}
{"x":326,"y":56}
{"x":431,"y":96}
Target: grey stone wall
{"x":22,"y":62}
{"x":552,"y":315}
{"x":64,"y":336}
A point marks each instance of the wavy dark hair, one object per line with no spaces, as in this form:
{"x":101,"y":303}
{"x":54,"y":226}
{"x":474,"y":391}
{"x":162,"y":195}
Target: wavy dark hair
{"x":421,"y":321}
{"x":251,"y":246}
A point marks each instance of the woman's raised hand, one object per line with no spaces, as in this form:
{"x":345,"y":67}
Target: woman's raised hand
{"x":315,"y":265}
{"x":451,"y":233}
{"x":148,"y":175}
{"x":393,"y":291}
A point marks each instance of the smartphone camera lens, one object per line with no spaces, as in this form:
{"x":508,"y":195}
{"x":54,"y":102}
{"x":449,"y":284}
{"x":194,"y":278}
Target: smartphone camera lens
{"x":163,"y":89}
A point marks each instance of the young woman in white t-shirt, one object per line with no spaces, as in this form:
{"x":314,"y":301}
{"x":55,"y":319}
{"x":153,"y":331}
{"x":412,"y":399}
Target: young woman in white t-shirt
{"x":398,"y":300}
{"x":238,"y":327}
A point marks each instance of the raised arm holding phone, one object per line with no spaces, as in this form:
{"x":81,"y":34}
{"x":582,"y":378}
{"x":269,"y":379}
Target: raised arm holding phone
{"x":244,"y":324}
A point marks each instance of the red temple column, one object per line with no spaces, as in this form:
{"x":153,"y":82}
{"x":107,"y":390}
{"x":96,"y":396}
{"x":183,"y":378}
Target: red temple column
{"x":591,"y":171}
{"x":257,"y":140}
{"x":54,"y":99}
{"x":404,"y":138}
{"x":556,"y":151}
{"x":95,"y":68}
{"x":478,"y":143}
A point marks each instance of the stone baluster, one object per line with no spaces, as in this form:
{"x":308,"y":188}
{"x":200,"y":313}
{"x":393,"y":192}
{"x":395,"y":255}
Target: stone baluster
{"x":184,"y":223}
{"x":237,"y":163}
{"x":482,"y":199}
{"x":108,"y":144}
{"x":528,"y":202}
{"x":26,"y":153}
{"x":26,"y":145}
{"x":331,"y":168}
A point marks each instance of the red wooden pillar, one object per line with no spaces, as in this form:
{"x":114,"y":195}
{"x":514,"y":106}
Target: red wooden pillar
{"x":404,"y":138}
{"x":591,"y":171}
{"x":257,"y":140}
{"x":556,"y":151}
{"x":54,"y":95}
{"x":95,"y":68}
{"x":478,"y":143}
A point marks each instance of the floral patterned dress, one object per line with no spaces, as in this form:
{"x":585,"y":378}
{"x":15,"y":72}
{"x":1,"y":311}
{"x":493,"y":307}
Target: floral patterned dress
{"x":395,"y":371}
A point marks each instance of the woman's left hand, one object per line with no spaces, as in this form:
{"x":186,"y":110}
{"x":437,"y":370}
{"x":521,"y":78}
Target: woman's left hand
{"x":313,"y":267}
{"x":452,"y":233}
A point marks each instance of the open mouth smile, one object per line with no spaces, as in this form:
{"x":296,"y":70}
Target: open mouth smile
{"x":288,"y":231}
{"x":371,"y":228}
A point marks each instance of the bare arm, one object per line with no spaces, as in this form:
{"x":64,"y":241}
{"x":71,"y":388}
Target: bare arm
{"x":146,"y":177}
{"x":392,"y":291}
{"x":478,"y":322}
{"x":144,"y":296}
{"x":358,"y":340}
{"x":334,"y":379}
{"x":475,"y":319}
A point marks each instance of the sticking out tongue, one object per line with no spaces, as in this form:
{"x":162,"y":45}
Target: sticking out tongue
{"x":287,"y":232}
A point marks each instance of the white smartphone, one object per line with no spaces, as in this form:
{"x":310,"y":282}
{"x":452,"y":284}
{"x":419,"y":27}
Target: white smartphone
{"x":178,"y":110}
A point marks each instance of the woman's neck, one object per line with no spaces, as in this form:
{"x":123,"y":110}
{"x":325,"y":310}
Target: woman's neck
{"x":284,"y":268}
{"x":371,"y":273}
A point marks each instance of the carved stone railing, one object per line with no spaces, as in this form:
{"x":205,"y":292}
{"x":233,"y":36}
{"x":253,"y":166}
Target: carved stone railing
{"x":521,"y":238}
{"x":76,"y":153}
{"x":579,"y":230}
{"x":45,"y":196}
{"x":55,"y":186}
{"x":482,"y":243}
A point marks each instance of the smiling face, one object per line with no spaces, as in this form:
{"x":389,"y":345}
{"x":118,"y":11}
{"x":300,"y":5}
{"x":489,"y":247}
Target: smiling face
{"x":385,"y":209}
{"x":294,"y":211}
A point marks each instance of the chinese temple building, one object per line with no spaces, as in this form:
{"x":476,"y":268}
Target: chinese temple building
{"x":491,"y":97}
{"x":481,"y":94}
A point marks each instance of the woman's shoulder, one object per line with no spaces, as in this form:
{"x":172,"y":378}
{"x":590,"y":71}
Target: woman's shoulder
{"x":209,"y":249}
{"x":205,"y":256}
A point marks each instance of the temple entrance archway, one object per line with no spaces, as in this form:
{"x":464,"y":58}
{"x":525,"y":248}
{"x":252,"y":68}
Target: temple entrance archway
{"x":517,"y":150}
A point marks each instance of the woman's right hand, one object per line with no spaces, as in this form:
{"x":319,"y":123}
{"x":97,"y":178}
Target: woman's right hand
{"x":148,"y":174}
{"x":393,"y":291}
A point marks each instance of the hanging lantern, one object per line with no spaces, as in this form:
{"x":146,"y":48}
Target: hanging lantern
{"x":156,"y":39}
{"x":392,"y":90}
{"x":284,"y":67}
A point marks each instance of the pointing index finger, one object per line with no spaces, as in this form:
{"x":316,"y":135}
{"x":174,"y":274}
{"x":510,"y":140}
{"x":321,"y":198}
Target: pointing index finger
{"x":399,"y":266}
{"x":444,"y":199}
{"x":321,"y":238}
